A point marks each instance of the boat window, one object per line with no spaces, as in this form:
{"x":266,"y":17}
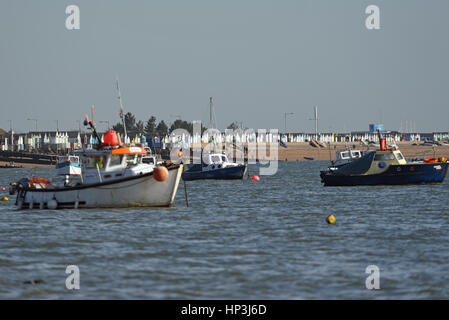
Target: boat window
{"x":399,"y":156}
{"x":355,"y":154}
{"x":383,"y":156}
{"x":215,"y":159}
{"x":344,"y":155}
{"x":116,"y":160}
{"x":94,"y":162}
{"x":130,"y":159}
{"x":149,"y":160}
{"x":223,"y":158}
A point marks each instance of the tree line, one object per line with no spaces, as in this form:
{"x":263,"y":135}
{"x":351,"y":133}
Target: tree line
{"x":153,"y":128}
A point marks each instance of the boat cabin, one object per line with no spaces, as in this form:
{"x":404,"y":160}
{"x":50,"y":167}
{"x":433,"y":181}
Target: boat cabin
{"x":216,"y":161}
{"x":109,"y":164}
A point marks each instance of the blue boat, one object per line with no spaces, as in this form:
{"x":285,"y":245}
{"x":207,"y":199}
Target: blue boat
{"x":385,"y":167}
{"x":215,"y":166}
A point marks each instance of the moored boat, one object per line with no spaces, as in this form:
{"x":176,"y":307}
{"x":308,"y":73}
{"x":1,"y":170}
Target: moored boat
{"x":385,"y":167}
{"x":214,"y":166}
{"x":111,"y":175}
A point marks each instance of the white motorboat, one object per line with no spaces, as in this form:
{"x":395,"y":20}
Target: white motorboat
{"x":112,"y":175}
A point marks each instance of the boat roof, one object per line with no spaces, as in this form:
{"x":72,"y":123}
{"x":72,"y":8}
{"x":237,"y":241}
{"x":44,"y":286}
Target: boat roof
{"x":121,"y":150}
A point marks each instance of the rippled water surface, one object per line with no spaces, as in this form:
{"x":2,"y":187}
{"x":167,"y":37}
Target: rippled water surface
{"x":237,"y":240}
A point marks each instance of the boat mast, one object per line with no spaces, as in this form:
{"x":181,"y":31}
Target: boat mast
{"x":315,"y":118}
{"x":122,"y":115}
{"x":212,"y":119}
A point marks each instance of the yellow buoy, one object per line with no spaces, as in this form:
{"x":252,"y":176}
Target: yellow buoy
{"x":331,"y":219}
{"x":5,"y":199}
{"x":442,"y":159}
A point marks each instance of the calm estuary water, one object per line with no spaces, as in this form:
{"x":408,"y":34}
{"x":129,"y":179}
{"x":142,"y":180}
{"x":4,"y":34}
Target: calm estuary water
{"x":237,"y":240}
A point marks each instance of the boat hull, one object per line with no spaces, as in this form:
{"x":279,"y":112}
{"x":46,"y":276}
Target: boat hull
{"x":402,"y":174}
{"x":136,"y":191}
{"x":229,"y":173}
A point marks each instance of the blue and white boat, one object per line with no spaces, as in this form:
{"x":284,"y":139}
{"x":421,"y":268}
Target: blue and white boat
{"x":214,"y":166}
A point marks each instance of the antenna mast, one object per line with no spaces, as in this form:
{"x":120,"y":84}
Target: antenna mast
{"x":212,"y":119}
{"x":315,"y":118}
{"x":122,"y":115}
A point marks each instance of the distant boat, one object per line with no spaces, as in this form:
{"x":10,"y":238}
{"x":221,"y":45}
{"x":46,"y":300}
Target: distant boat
{"x":214,"y":166}
{"x":282,"y":143}
{"x":309,"y":158}
{"x":10,"y":165}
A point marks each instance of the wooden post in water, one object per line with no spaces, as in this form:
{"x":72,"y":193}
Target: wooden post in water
{"x":185,"y":193}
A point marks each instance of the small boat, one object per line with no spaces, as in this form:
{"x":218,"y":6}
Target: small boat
{"x":10,"y":165}
{"x":214,"y":166}
{"x":309,"y":158}
{"x":384,"y":167}
{"x":110,"y":175}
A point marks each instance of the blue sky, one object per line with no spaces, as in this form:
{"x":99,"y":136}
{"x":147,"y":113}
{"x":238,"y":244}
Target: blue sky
{"x":257,"y":58}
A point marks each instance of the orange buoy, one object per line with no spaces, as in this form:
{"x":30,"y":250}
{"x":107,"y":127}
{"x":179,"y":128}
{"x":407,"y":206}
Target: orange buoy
{"x":442,"y":159}
{"x":110,"y":138}
{"x":255,"y":178}
{"x":160,"y":173}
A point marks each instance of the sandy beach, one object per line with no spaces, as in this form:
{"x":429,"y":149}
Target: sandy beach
{"x":301,"y":151}
{"x":297,"y":151}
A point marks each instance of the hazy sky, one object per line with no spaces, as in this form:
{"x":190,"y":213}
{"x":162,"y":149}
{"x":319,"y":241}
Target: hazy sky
{"x":257,"y":58}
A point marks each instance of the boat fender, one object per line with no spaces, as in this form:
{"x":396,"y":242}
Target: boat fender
{"x":52,"y":204}
{"x":160,"y":173}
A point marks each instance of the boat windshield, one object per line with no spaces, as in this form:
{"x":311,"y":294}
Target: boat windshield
{"x":116,"y":160}
{"x":95,"y":162}
{"x":215,"y":159}
{"x":383,"y":156}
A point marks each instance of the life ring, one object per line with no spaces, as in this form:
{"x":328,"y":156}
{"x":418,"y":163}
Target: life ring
{"x":430,"y":160}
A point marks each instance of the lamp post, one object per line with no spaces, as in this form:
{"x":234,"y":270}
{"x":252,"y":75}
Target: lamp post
{"x":57,"y":125}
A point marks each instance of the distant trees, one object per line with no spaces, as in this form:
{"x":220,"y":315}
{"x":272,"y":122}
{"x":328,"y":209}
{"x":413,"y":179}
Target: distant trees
{"x":181,"y":124}
{"x":151,"y":127}
{"x":162,"y":129}
{"x":233,"y":126}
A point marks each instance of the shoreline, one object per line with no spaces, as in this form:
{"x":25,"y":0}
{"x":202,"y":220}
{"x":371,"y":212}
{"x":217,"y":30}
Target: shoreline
{"x":299,"y":151}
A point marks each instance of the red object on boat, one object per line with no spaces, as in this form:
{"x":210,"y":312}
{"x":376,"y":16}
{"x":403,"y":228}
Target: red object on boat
{"x":383,"y":144}
{"x":430,"y":160}
{"x":160,"y":174}
{"x":255,"y":178}
{"x":110,"y":138}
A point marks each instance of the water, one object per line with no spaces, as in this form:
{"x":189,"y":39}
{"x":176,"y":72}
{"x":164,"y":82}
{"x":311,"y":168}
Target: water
{"x":237,"y":240}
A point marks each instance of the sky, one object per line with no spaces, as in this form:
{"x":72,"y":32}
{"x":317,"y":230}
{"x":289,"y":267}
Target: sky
{"x":258,"y":59}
